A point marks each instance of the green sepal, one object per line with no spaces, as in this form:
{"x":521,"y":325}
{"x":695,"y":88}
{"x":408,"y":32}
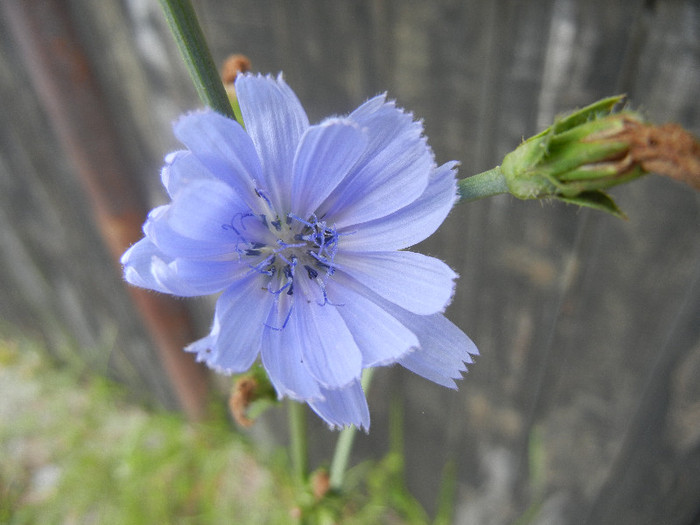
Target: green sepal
{"x":597,"y":200}
{"x":233,"y":99}
{"x":596,"y":110}
{"x":260,"y":406}
{"x":604,"y":177}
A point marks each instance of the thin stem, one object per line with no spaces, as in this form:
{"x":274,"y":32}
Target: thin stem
{"x":485,"y":184}
{"x":296,"y":412}
{"x":193,"y":47}
{"x":343,"y":446}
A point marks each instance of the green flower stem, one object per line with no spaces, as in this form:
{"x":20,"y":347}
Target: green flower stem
{"x":343,"y":446}
{"x":486,"y":184}
{"x":296,"y":412}
{"x":200,"y":65}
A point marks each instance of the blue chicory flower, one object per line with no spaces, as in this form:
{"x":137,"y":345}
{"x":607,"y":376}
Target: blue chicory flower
{"x":302,"y":228}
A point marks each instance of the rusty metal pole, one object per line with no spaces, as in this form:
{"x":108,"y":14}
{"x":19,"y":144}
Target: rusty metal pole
{"x":69,"y":92}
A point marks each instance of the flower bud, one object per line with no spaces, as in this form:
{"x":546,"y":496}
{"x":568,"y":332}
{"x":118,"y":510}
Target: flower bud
{"x":577,"y":158}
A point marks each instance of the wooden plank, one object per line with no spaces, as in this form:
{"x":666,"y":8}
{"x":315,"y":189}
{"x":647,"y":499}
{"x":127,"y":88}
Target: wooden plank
{"x":70,"y":93}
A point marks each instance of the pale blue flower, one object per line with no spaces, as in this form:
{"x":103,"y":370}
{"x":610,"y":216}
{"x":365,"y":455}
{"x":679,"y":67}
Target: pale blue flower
{"x":301,"y":228}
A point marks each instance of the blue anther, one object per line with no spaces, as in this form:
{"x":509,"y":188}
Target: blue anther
{"x":260,"y":193}
{"x":311,"y":272}
{"x":264,"y":265}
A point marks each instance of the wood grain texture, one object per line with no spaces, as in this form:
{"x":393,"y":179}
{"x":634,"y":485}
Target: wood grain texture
{"x":588,"y":326}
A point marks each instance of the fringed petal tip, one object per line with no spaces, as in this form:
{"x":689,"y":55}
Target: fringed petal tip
{"x":444,"y":353}
{"x":341,"y":427}
{"x":208,"y":357}
{"x":451,"y":167}
{"x":278,"y":79}
{"x":344,"y":407}
{"x":204,"y":350}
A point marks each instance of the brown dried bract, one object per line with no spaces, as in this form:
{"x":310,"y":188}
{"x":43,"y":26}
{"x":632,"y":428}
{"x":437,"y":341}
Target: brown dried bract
{"x":320,"y":484}
{"x":234,"y":65}
{"x":668,"y":150}
{"x":241,"y":396}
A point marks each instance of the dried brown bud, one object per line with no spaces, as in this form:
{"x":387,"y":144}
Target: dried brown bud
{"x":234,"y":65}
{"x":242,"y":394}
{"x":320,"y":483}
{"x":668,"y":150}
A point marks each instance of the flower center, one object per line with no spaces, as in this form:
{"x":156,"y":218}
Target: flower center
{"x":301,"y":246}
{"x":293,"y":248}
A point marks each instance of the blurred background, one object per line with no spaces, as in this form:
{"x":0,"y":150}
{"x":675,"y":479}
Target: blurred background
{"x":584,"y":407}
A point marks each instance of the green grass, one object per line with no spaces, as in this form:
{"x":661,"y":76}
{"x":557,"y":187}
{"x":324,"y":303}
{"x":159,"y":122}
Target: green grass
{"x":73,"y":450}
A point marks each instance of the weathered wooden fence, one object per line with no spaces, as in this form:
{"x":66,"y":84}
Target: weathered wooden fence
{"x":585,"y":405}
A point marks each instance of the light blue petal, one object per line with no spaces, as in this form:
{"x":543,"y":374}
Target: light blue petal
{"x":421,"y":284}
{"x":412,"y":223}
{"x":369,"y":108}
{"x":444,"y":349}
{"x":166,"y":274}
{"x":282,"y":357}
{"x":211,"y":211}
{"x":204,"y":221}
{"x":175,"y":245}
{"x":145,"y":265}
{"x":204,"y":347}
{"x":138,"y":264}
{"x":224,"y":149}
{"x":327,"y":346}
{"x":393,"y":173}
{"x":343,"y":407}
{"x":326,"y":154}
{"x":191,"y":278}
{"x":236,"y":337}
{"x":275,"y":121}
{"x":181,"y":168}
{"x":381,"y":338}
